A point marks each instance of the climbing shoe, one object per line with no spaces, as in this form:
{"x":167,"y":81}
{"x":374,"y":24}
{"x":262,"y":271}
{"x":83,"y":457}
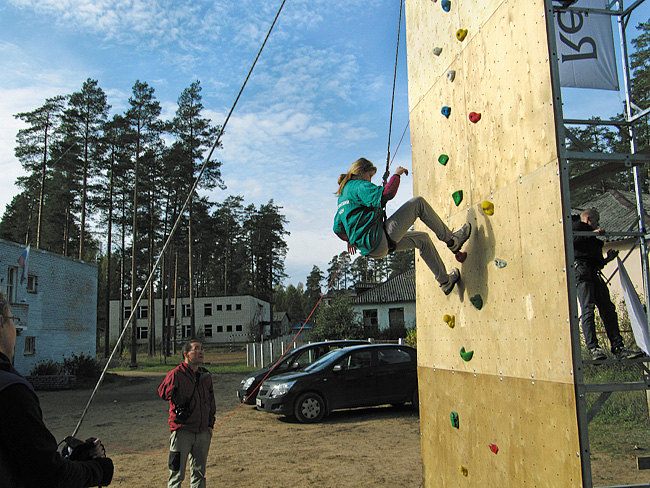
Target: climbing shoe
{"x":625,"y":353}
{"x":597,"y":353}
{"x":459,"y":237}
{"x":452,"y":278}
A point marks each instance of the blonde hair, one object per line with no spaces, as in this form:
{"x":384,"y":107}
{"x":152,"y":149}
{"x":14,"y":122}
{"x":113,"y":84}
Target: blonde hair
{"x":359,"y":167}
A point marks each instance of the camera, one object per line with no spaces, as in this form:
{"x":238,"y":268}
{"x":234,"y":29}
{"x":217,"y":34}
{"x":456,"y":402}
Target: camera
{"x":182,"y":414}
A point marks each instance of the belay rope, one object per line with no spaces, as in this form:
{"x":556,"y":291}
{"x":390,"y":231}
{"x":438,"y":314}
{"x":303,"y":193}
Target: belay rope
{"x":391,"y":244}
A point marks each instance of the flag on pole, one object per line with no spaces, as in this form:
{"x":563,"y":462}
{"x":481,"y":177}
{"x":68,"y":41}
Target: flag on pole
{"x":635,"y":310}
{"x":22,"y":262}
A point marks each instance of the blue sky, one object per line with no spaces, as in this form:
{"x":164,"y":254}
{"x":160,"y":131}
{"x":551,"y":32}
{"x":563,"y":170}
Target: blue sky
{"x":318,"y":99}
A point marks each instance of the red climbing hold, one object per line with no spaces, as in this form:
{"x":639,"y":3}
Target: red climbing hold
{"x":474,"y":117}
{"x":461,"y":256}
{"x":494,"y":448}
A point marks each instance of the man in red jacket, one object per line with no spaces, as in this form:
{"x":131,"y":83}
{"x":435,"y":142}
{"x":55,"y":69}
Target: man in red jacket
{"x":192,"y":408}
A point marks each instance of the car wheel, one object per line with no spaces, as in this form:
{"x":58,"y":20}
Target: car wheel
{"x":309,"y":408}
{"x":415,"y":399}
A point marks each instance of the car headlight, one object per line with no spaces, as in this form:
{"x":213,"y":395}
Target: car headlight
{"x":281,"y":389}
{"x":247,"y":382}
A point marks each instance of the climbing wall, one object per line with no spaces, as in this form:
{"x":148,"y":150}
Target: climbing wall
{"x":480,"y":101}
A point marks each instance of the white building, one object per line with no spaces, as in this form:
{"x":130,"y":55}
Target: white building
{"x":56,"y":305}
{"x":218,"y":320}
{"x":389,"y":305}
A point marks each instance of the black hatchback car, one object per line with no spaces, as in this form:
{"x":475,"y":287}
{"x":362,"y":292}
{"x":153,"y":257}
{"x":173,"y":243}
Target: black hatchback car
{"x":295,"y":360}
{"x":358,"y":376}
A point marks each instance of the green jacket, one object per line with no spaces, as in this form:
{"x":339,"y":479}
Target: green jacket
{"x":359,"y":215}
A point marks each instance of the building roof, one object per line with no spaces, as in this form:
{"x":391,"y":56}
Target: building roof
{"x":400,"y":288}
{"x":617,"y":211}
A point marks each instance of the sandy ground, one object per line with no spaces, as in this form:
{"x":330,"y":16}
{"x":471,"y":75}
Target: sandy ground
{"x":377,"y":447}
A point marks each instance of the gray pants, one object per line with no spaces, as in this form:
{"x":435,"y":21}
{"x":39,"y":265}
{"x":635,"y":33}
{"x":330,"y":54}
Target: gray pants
{"x":181,"y":444}
{"x":398,"y":226}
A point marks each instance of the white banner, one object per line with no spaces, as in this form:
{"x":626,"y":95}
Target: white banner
{"x":585,"y":45}
{"x":635,"y":310}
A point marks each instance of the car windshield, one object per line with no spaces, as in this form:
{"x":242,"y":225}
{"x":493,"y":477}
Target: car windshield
{"x":324,"y":359}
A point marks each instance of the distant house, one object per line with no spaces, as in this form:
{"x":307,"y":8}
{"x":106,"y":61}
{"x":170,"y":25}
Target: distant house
{"x":56,"y":305}
{"x":217,"y":320}
{"x":618,"y":213}
{"x":388,"y":305}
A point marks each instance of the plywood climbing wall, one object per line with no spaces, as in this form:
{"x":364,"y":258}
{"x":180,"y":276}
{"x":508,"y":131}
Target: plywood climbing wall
{"x":517,"y":391}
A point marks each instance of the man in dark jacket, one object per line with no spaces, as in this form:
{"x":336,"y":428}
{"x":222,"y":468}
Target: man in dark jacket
{"x":192,"y":409}
{"x":28,"y":450}
{"x":592,"y":289}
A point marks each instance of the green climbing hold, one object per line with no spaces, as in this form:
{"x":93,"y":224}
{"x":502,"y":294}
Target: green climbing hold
{"x":443,"y":159}
{"x":466,"y":355}
{"x":457,"y":196}
{"x":477,"y":301}
{"x":454,"y":419}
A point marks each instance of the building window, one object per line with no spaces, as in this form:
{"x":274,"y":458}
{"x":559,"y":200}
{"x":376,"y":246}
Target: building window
{"x":219,"y":328}
{"x":169,"y":311}
{"x":238,"y":306}
{"x":12,"y":277}
{"x":32,"y":284}
{"x":143,"y":312}
{"x":228,"y":307}
{"x":142,"y":332}
{"x":187,"y":309}
{"x":219,"y":308}
{"x":207,"y":309}
{"x":239,"y":328}
{"x":30,"y":346}
{"x":187,"y":331}
{"x":228,"y":328}
{"x":208,"y":330}
{"x":370,"y":322}
{"x":127,"y":311}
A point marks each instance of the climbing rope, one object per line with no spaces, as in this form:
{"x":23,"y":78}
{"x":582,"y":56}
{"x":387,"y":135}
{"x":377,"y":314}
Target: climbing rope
{"x":392,"y":102}
{"x":175,"y":226}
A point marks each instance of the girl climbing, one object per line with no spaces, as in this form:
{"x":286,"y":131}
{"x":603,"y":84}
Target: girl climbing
{"x":359,"y":222}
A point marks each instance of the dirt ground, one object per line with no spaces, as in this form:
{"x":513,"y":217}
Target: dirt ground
{"x":377,"y":447}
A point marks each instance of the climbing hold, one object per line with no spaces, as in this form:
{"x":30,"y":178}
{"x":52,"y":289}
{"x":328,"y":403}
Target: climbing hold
{"x":488,"y":207}
{"x":500,"y":263}
{"x":437,"y":51}
{"x":461,"y":34}
{"x":493,"y":448}
{"x":466,"y":355}
{"x":451,"y":74}
{"x":477,"y":301}
{"x":463,"y":470}
{"x":446,"y":5}
{"x":461,"y":256}
{"x":457,"y":196}
{"x":443,"y":159}
{"x":446,"y":111}
{"x":474,"y":117}
{"x":450,"y":320}
{"x":454,"y":420}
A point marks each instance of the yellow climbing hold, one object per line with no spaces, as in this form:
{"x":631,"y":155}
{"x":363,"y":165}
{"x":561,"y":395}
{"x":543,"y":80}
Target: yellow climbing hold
{"x":450,"y":320}
{"x":488,"y":207}
{"x":463,"y":470}
{"x":461,"y":34}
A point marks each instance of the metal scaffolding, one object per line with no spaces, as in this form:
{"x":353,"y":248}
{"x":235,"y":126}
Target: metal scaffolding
{"x":612,"y":163}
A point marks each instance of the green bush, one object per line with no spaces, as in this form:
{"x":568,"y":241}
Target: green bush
{"x":81,"y":366}
{"x":46,"y":368}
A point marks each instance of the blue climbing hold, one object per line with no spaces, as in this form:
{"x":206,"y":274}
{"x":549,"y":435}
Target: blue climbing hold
{"x":446,"y":111}
{"x":446,"y":5}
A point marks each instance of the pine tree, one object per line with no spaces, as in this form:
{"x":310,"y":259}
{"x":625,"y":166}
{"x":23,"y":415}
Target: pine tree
{"x":33,"y":151}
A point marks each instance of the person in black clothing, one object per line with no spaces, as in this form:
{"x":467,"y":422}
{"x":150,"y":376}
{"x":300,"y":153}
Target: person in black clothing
{"x":592,"y":289}
{"x":28,"y":450}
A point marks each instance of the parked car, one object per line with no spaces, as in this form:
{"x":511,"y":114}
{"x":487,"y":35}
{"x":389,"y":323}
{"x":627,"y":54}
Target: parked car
{"x":357,"y":376}
{"x":293,"y":361}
